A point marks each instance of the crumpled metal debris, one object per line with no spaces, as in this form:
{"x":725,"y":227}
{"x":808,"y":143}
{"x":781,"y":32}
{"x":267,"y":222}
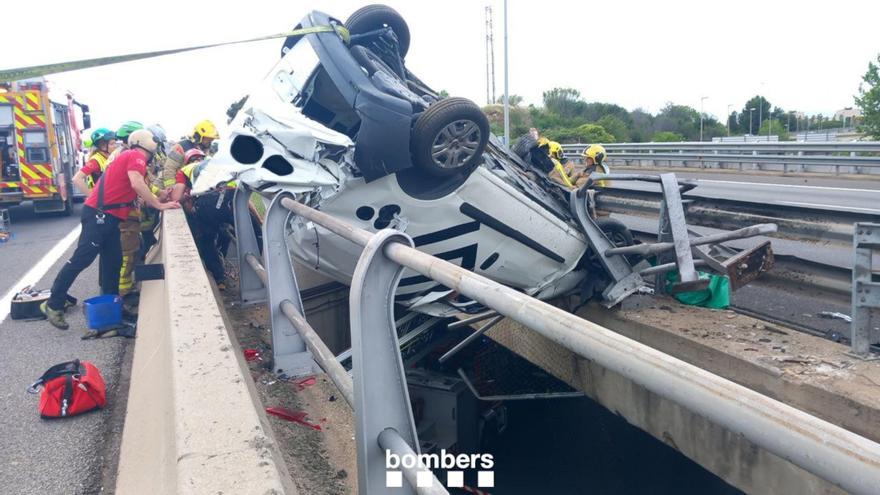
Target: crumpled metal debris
{"x":835,"y":315}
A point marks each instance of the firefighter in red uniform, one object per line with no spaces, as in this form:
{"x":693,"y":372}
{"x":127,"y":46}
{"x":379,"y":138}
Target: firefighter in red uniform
{"x":107,"y":206}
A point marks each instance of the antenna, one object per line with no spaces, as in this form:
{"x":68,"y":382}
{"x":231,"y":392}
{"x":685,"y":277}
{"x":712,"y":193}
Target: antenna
{"x":490,"y":58}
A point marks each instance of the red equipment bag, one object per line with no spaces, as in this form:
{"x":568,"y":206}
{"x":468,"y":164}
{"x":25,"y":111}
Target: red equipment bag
{"x":69,"y":389}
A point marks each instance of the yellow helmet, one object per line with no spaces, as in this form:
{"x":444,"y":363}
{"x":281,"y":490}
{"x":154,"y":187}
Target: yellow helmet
{"x":556,"y":151}
{"x":542,"y":141}
{"x":596,"y":152}
{"x":205,"y":129}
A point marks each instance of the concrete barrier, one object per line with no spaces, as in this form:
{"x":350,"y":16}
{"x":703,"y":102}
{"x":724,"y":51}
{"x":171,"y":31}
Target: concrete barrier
{"x":193,"y":424}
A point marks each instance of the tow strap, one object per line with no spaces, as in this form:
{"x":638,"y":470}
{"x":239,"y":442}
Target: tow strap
{"x":9,"y":75}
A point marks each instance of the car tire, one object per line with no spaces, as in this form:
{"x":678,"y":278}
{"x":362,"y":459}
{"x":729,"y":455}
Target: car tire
{"x":373,"y":17}
{"x":618,"y":233}
{"x":450,"y":137}
{"x":524,"y":145}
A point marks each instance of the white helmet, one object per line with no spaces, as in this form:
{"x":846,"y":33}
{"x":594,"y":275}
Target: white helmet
{"x":143,"y":139}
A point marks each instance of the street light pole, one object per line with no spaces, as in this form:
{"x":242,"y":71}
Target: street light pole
{"x":728,"y":118}
{"x":506,"y":88}
{"x":702,"y":99}
{"x":750,"y":120}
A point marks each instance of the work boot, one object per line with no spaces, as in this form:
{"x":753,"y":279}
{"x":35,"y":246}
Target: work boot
{"x":221,"y":286}
{"x":55,"y":316}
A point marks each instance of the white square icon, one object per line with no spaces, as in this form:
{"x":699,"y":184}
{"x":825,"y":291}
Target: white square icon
{"x":486,"y":479}
{"x":455,"y":479}
{"x":424,"y":479}
{"x":393,"y":479}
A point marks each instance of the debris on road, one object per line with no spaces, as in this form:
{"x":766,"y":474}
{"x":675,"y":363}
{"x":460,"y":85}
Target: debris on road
{"x":292,"y":416}
{"x":834,"y":315}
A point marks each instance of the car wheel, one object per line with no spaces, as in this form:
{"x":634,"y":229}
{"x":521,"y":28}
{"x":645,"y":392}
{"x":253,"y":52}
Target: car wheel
{"x":524,"y":145}
{"x":449,"y":137}
{"x":616,"y":231}
{"x":373,"y":17}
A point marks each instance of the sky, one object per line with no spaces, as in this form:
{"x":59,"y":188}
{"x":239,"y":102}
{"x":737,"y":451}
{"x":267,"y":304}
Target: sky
{"x":634,"y":53}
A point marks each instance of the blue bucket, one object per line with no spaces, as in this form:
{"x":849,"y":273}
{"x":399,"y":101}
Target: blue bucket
{"x":103,"y":311}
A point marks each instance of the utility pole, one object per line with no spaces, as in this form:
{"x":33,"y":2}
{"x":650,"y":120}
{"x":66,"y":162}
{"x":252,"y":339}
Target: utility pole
{"x":702,"y":99}
{"x":750,"y":120}
{"x":490,"y":58}
{"x":729,"y":105}
{"x":506,"y":85}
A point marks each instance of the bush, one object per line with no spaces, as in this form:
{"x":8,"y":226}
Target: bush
{"x":586,"y":134}
{"x":667,"y":137}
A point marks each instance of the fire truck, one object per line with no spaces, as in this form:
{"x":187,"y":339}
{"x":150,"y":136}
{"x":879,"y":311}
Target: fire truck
{"x":40,"y":146}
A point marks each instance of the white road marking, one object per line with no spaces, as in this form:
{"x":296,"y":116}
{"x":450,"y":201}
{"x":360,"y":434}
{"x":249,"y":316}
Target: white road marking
{"x":824,"y":206}
{"x":790,"y":185}
{"x":38,"y":270}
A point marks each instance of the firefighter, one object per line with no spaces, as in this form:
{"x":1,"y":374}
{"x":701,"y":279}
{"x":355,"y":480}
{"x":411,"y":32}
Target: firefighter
{"x":108,"y":205}
{"x":86,"y":177}
{"x":149,"y":217}
{"x":208,"y":215}
{"x":122,"y":135}
{"x":204,"y":133}
{"x":551,"y":158}
{"x":594,"y":158}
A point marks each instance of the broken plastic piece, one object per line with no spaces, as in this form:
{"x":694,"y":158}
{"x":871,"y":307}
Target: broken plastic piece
{"x":835,"y":314}
{"x":292,"y":416}
{"x":305,"y":382}
{"x":251,"y":354}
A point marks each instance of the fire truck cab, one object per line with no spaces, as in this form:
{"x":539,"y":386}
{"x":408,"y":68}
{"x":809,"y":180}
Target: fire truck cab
{"x":39,"y":146}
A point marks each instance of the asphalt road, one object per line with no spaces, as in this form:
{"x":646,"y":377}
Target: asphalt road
{"x":39,"y":456}
{"x":823,"y":193}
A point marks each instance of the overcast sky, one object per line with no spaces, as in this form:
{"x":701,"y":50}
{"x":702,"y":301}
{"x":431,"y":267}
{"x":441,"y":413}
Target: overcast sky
{"x":637,"y":54}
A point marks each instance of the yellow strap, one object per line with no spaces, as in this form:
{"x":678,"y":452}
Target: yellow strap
{"x":559,"y":168}
{"x":19,"y":73}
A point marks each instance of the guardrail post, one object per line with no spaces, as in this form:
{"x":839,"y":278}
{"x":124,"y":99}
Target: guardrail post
{"x":865,"y":292}
{"x":291,"y":357}
{"x":251,"y":289}
{"x":380,"y":392}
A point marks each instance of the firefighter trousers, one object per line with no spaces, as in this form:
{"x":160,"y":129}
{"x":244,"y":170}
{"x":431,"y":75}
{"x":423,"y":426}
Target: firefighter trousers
{"x":95,"y":239}
{"x":130,"y":237}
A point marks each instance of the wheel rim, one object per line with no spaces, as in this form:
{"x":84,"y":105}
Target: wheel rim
{"x":456,"y":144}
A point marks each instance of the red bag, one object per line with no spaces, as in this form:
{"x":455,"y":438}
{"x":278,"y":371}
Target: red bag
{"x":69,"y":389}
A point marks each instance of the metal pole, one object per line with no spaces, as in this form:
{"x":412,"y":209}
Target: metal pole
{"x":390,"y":440}
{"x":506,"y":84}
{"x":728,"y":118}
{"x":702,"y":99}
{"x":470,"y":338}
{"x":750,"y":120}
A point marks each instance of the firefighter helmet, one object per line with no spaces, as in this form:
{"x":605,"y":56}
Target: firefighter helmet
{"x":596,"y":152}
{"x":158,"y":132}
{"x":143,"y":139}
{"x":193,"y":155}
{"x":102,"y":134}
{"x":205,"y":129}
{"x":126,"y":129}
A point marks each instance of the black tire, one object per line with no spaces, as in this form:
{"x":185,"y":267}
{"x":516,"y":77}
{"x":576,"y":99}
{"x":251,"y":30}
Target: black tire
{"x":616,"y":231}
{"x":450,"y":137}
{"x":373,"y":17}
{"x":524,"y":145}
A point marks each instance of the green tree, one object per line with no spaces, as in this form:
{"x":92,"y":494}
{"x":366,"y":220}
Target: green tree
{"x":680,"y":119}
{"x":616,"y":127}
{"x":515,"y":100}
{"x":586,"y":134}
{"x":667,"y":137}
{"x":762,"y":111}
{"x":443,"y":94}
{"x":565,"y":102}
{"x":520,"y":120}
{"x":868,"y":100}
{"x":642,"y":127}
{"x":776,"y":128}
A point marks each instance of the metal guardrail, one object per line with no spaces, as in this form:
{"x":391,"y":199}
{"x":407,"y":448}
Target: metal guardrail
{"x":793,"y":222}
{"x":865,"y":293}
{"x":381,"y":399}
{"x":807,"y":156}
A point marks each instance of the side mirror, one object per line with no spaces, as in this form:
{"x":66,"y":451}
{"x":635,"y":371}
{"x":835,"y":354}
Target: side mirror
{"x":87,"y":117}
